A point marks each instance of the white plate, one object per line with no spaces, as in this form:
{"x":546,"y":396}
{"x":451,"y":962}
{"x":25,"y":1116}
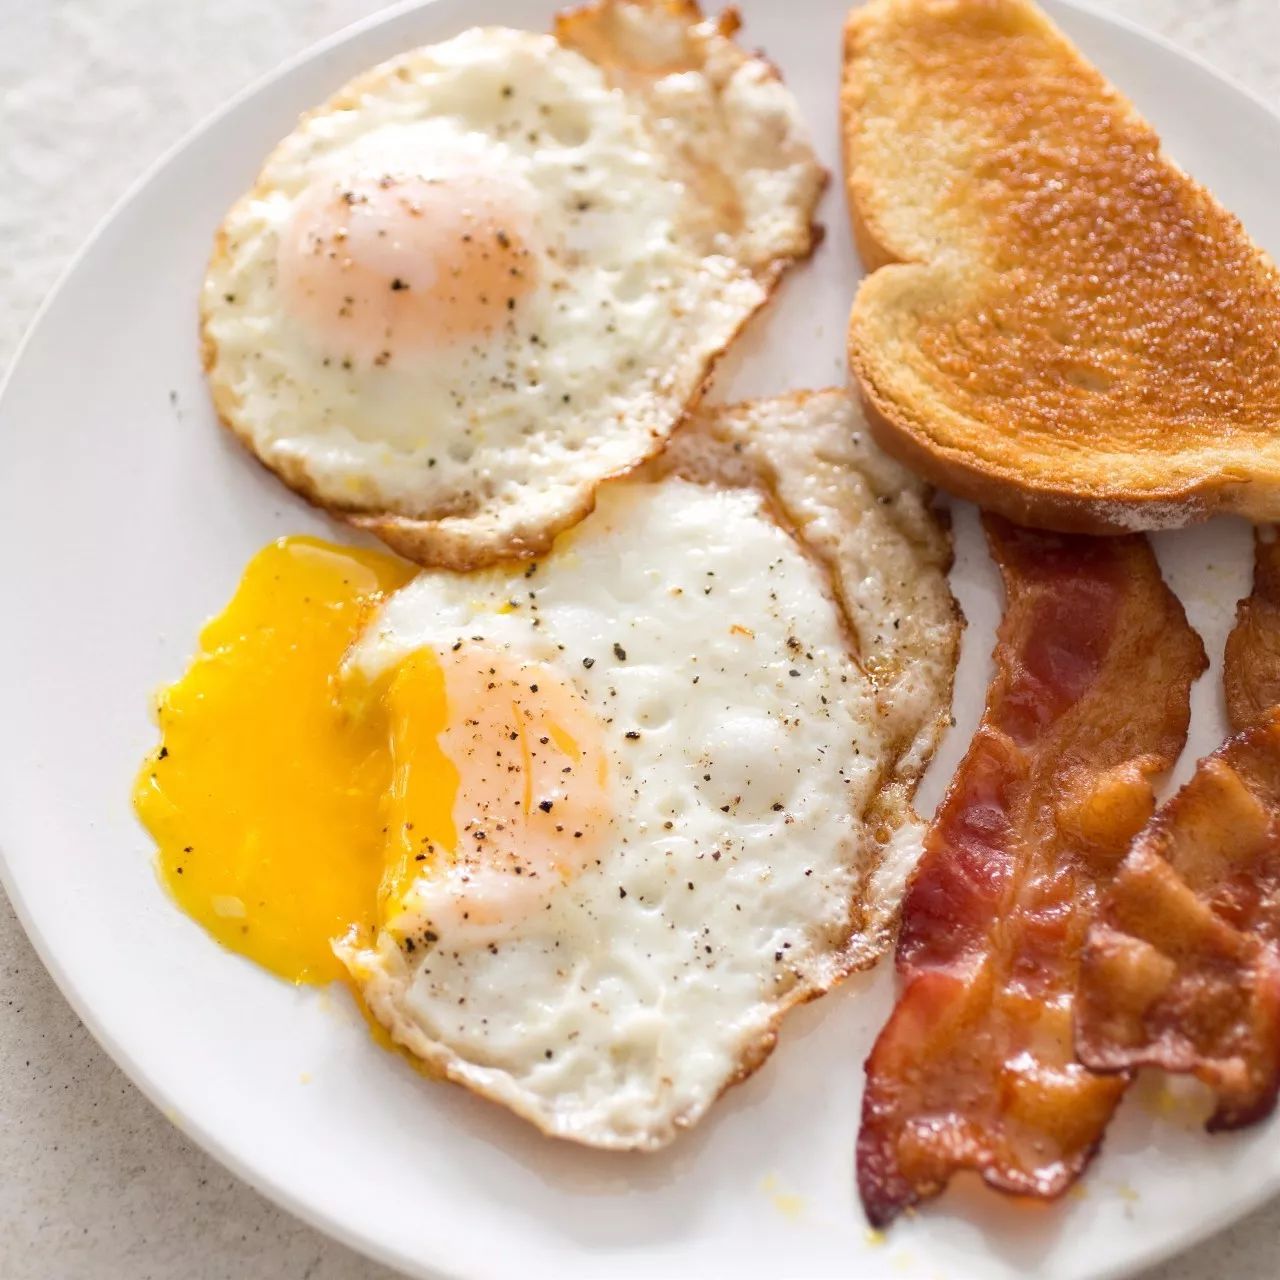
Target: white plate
{"x":126,"y":518}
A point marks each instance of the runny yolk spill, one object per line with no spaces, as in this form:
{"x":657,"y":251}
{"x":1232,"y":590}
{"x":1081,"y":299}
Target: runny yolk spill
{"x":266,"y":797}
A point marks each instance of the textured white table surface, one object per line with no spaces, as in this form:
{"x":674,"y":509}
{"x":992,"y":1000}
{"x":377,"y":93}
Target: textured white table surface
{"x":94,"y":1183}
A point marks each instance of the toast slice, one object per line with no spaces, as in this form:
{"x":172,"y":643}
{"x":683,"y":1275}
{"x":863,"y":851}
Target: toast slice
{"x":1060,"y":324}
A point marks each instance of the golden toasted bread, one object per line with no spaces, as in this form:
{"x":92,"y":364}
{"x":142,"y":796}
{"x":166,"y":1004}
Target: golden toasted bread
{"x":1060,"y":325}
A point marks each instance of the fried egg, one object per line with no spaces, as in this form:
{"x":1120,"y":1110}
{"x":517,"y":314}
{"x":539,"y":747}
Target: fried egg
{"x":492,"y":272}
{"x":579,"y":830}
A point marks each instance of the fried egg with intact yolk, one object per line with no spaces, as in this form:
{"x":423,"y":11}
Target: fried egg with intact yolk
{"x":493,"y":272}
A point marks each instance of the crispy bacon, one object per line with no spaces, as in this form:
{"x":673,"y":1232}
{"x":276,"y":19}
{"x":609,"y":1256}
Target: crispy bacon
{"x":975,"y":1068}
{"x":1182,"y":968}
{"x":1252,"y":670}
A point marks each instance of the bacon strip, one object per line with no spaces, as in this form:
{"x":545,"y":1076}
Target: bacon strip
{"x":1182,"y":968}
{"x":1252,"y":669}
{"x":1090,"y":702}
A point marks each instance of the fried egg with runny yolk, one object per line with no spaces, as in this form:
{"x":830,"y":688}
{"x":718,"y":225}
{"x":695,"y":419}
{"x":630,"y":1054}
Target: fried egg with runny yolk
{"x":577,"y":831}
{"x":490,"y":273}
{"x":287,"y":812}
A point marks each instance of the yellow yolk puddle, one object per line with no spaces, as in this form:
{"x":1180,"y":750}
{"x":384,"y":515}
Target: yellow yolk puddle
{"x":266,"y":798}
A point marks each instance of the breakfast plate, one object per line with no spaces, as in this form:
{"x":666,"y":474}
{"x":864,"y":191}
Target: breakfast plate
{"x":126,"y":518}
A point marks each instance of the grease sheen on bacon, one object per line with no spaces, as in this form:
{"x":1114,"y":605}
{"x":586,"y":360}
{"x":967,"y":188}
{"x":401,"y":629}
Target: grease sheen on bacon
{"x":1182,"y":968}
{"x":975,"y":1068}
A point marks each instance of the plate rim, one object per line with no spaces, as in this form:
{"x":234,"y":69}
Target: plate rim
{"x":277,"y":1191}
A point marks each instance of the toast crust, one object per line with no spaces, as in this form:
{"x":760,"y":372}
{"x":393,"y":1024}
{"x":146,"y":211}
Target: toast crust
{"x":1059,"y":324}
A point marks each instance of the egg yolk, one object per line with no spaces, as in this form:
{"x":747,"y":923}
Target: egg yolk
{"x":293,"y":802}
{"x":384,"y":268}
{"x":530,"y":806}
{"x":264,"y":795}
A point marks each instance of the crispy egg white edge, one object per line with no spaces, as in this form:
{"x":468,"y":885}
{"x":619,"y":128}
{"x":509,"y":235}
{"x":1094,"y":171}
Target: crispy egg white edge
{"x":814,"y":454}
